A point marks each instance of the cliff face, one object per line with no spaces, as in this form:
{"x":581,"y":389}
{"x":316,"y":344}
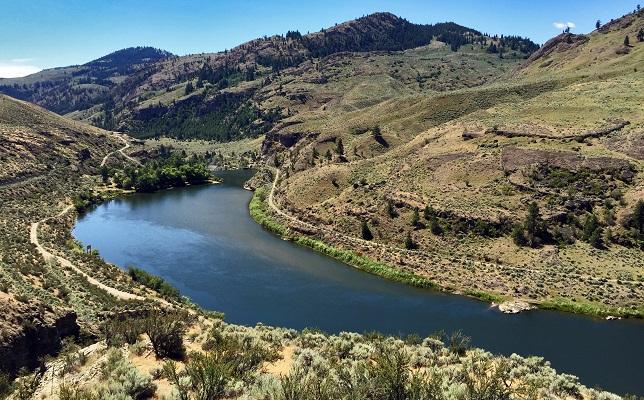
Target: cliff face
{"x":28,"y":331}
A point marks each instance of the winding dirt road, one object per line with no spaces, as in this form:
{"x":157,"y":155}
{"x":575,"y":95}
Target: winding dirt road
{"x":121,"y":150}
{"x":47,"y":255}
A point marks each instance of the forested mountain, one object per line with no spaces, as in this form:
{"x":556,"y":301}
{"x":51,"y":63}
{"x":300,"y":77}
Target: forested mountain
{"x":147,"y":92}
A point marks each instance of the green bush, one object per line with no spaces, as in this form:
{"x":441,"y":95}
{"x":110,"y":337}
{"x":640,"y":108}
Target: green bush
{"x":154,"y":282}
{"x":166,"y":330}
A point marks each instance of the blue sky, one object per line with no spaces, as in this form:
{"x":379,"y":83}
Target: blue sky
{"x":36,"y":34}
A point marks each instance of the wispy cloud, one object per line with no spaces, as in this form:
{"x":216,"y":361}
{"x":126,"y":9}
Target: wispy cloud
{"x":564,"y":25}
{"x":17,"y":67}
{"x":22,"y":60}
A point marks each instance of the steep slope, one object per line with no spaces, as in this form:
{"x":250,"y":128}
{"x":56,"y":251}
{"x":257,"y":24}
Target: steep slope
{"x":601,"y":51}
{"x":34,"y":141}
{"x":570,"y":141}
{"x":217,"y":95}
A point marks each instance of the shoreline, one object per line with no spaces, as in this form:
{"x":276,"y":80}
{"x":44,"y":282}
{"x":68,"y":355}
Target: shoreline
{"x":259,"y":213}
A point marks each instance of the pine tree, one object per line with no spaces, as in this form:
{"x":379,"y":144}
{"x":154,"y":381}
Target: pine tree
{"x":391,"y":210}
{"x":366,"y":232}
{"x":627,"y":41}
{"x":409,"y":242}
{"x":189,"y":88}
{"x":638,"y":217}
{"x":339,"y":147}
{"x":415,"y":218}
{"x":640,"y":35}
{"x":598,"y":24}
{"x":428,"y":212}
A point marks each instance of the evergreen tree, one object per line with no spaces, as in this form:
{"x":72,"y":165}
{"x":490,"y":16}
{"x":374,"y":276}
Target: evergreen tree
{"x":339,"y":147}
{"x":366,"y":232}
{"x":640,"y":35}
{"x":627,"y":41}
{"x":189,"y":88}
{"x":391,"y":210}
{"x":409,"y":242}
{"x":598,"y":24}
{"x":638,"y":217}
{"x":105,"y":173}
{"x":428,"y":212}
{"x":415,"y":218}
{"x":534,"y":227}
{"x":435,"y":226}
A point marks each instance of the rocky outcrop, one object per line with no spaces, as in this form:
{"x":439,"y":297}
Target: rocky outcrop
{"x":560,"y":43}
{"x":515,"y":307}
{"x":30,"y":330}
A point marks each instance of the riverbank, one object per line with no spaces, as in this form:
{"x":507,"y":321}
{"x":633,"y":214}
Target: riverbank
{"x":260,"y":212}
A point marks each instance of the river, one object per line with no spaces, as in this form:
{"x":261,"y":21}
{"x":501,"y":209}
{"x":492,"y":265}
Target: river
{"x":202,"y":240}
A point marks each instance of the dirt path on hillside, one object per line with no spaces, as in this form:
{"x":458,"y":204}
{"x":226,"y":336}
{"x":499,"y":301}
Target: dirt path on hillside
{"x":47,"y":255}
{"x":121,"y":150}
{"x":372,"y":244}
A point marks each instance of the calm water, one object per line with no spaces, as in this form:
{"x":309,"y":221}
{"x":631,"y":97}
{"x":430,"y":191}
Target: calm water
{"x":202,"y":240}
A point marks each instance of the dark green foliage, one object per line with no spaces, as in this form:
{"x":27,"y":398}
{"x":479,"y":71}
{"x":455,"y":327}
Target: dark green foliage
{"x":634,"y":222}
{"x":226,"y":359}
{"x":339,"y":146}
{"x":166,"y":330}
{"x":640,"y":35}
{"x":105,"y":174}
{"x":86,"y":199}
{"x":593,"y":231}
{"x":366,"y":232}
{"x":121,"y":329}
{"x":227,"y":116}
{"x":189,"y":88}
{"x":428,"y":212}
{"x":415,"y":219}
{"x":168,"y":171}
{"x":627,"y":41}
{"x":391,"y":210}
{"x":533,"y":231}
{"x":409,"y":242}
{"x":459,"y":343}
{"x":154,"y":282}
{"x":399,"y":34}
{"x":435,"y":226}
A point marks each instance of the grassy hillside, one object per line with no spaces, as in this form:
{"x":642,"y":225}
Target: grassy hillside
{"x":566,"y":136}
{"x":222,"y":96}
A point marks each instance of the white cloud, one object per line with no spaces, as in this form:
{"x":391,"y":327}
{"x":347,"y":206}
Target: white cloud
{"x":22,"y":60}
{"x":564,"y":25}
{"x":17,"y":68}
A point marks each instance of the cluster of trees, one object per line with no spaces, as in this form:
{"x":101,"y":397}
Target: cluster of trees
{"x":154,"y":282}
{"x":226,"y":117}
{"x":163,"y":173}
{"x":598,"y":232}
{"x":280,"y":61}
{"x":224,"y":76}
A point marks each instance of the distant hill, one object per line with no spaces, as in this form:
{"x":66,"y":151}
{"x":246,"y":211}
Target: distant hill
{"x":79,"y":87}
{"x":148,"y":92}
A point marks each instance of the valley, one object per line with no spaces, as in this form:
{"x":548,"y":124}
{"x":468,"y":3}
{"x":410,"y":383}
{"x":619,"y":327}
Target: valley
{"x":215,"y":225}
